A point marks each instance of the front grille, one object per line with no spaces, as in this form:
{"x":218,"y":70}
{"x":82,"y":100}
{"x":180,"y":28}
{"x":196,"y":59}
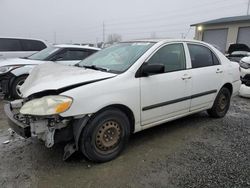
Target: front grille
{"x":246,"y":80}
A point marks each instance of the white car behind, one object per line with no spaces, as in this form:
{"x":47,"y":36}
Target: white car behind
{"x":13,"y":72}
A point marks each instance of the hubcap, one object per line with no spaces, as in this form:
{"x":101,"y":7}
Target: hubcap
{"x":222,"y":102}
{"x":108,"y":136}
{"x":18,"y":86}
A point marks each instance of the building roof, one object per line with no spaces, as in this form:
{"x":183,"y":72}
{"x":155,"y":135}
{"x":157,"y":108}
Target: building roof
{"x":225,"y":20}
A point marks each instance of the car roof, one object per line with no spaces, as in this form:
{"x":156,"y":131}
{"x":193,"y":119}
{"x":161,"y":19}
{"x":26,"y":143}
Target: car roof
{"x":166,"y":40}
{"x":25,"y":38}
{"x":76,"y":46}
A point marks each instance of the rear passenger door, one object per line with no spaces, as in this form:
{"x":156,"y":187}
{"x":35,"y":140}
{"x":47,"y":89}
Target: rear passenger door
{"x":72,"y":56}
{"x":207,"y":76}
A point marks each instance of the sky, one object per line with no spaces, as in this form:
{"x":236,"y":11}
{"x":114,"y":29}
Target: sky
{"x":89,"y":21}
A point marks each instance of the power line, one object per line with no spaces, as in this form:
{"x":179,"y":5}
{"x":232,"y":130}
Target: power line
{"x":205,"y":5}
{"x":167,"y":25}
{"x":185,"y":15}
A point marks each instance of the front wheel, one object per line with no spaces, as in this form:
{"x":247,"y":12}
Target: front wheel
{"x":15,"y":89}
{"x":105,"y":136}
{"x":221,"y":104}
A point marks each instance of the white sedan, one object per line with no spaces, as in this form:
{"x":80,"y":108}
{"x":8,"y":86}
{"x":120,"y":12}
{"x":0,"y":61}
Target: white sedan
{"x":13,"y":72}
{"x":120,"y":90}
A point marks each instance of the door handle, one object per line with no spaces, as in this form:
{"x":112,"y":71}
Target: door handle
{"x":218,"y":71}
{"x":186,"y":77}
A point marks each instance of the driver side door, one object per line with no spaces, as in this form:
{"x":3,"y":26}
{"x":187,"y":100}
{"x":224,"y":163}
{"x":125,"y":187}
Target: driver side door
{"x":166,"y":95}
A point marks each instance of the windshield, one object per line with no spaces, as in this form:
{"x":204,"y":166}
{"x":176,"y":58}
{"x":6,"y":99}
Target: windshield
{"x":117,"y":58}
{"x":44,"y":54}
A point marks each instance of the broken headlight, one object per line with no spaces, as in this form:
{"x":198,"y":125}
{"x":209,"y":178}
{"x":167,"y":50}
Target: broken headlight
{"x":49,"y":105}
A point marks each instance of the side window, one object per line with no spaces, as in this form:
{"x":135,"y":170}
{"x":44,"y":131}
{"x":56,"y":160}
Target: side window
{"x":202,"y":56}
{"x":172,"y":56}
{"x":71,"y":55}
{"x":10,"y":45}
{"x":215,"y":59}
{"x":92,"y":52}
{"x":32,"y":45}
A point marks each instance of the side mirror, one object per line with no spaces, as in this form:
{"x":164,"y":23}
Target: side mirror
{"x":149,"y":69}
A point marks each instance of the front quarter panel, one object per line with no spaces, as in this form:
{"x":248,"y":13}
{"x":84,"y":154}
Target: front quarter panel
{"x":91,"y":98}
{"x":24,"y":70}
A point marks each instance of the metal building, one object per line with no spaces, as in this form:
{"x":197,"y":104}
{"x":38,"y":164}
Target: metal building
{"x":224,"y":31}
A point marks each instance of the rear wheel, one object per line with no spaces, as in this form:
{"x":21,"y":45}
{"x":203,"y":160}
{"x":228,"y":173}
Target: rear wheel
{"x":221,"y":104}
{"x":15,"y":89}
{"x":105,"y":136}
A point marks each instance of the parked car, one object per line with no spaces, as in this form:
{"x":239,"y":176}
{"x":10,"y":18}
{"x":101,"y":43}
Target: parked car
{"x":20,"y":47}
{"x":245,"y":77}
{"x":237,"y":51}
{"x":123,"y":89}
{"x":13,"y":72}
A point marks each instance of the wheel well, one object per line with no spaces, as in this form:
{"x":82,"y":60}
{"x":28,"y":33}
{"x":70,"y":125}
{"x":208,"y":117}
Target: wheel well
{"x":12,"y":81}
{"x":125,"y":110}
{"x":229,"y":87}
{"x":16,"y":77}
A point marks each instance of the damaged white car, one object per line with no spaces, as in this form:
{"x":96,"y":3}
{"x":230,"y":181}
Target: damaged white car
{"x":120,"y":90}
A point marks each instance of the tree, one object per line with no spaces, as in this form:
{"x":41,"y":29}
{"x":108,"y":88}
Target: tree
{"x":112,"y":38}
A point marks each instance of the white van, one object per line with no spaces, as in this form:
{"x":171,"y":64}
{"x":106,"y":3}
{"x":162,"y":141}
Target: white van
{"x":20,"y":47}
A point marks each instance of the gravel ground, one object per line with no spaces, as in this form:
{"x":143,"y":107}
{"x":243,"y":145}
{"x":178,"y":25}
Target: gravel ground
{"x":196,"y":151}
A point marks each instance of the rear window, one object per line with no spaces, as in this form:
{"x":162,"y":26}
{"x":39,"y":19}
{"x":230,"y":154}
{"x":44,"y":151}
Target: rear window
{"x":32,"y":45}
{"x":10,"y":45}
{"x":202,"y":56}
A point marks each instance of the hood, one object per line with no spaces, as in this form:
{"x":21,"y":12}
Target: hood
{"x":53,"y":77}
{"x":238,"y":47}
{"x":19,"y":61}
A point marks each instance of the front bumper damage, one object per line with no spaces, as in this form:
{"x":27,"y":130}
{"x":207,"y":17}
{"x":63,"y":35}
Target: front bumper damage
{"x":246,"y":80}
{"x":51,"y":130}
{"x":18,"y":126}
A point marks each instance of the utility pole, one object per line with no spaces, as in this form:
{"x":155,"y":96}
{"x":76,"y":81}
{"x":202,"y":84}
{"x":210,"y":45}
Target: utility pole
{"x":182,"y":35}
{"x":103,"y":32}
{"x":248,"y":7}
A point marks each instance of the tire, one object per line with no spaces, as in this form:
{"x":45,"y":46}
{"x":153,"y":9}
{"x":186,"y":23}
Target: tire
{"x":105,"y":136}
{"x":15,"y":92}
{"x":221,"y":104}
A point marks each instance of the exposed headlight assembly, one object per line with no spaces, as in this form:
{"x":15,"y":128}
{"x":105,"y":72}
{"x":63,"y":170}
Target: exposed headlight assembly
{"x":244,"y":65}
{"x":45,"y":106}
{"x":6,"y":69}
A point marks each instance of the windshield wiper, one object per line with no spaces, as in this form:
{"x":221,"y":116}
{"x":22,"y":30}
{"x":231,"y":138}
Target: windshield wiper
{"x":94,"y":67}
